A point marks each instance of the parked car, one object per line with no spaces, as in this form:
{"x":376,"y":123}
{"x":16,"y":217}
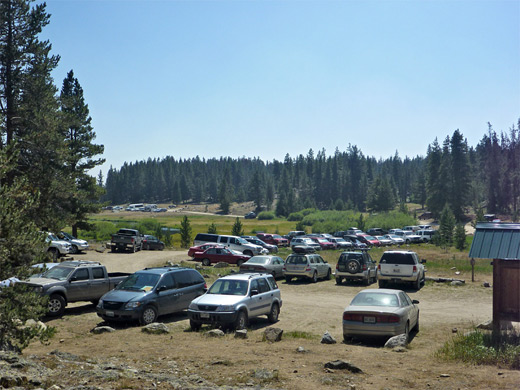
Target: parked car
{"x":295,"y":233}
{"x":409,"y":237}
{"x":354,"y":231}
{"x":380,"y":313}
{"x":152,"y":242}
{"x":231,"y":242}
{"x":41,"y":267}
{"x":200,"y":248}
{"x":411,"y":228}
{"x":159,"y":210}
{"x":254,"y":240}
{"x":323,"y":243}
{"x":220,"y":254}
{"x":264,"y":264}
{"x":384,"y":241}
{"x":234,"y":299}
{"x":305,"y":242}
{"x":56,"y":247}
{"x":401,"y":267}
{"x":250,"y":215}
{"x":341,"y":243}
{"x":356,"y":265}
{"x":376,"y":232}
{"x":396,"y":240}
{"x":309,"y":266}
{"x":126,"y":239}
{"x":74,"y":281}
{"x":395,"y":231}
{"x":369,"y":240}
{"x":150,"y":293}
{"x":426,"y":235}
{"x":273,"y":239}
{"x":356,"y":241}
{"x":77,"y":245}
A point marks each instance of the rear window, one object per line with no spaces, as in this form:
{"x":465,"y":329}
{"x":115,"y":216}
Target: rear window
{"x":206,"y":237}
{"x":397,"y":258}
{"x":296,"y":260}
{"x":350,"y":256}
{"x":375,"y":299}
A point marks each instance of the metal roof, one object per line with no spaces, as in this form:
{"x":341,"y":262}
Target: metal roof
{"x":496,"y":241}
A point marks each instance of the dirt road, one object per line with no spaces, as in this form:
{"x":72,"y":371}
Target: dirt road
{"x":308,"y":311}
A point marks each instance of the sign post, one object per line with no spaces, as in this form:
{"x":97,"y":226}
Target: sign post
{"x":472,"y":262}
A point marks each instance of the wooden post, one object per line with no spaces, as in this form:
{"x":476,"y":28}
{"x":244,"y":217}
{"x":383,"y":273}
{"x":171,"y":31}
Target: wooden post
{"x":472,"y":262}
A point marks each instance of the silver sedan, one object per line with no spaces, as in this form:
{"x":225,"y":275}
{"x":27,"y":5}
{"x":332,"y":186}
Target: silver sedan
{"x":380,"y":313}
{"x":269,"y":264}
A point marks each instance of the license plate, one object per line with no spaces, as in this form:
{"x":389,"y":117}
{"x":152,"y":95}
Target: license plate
{"x":369,"y":320}
{"x":397,"y":271}
{"x":204,"y":315}
{"x":109,"y":314}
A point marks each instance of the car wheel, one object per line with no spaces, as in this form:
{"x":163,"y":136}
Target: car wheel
{"x":74,"y":249}
{"x":273,"y":314}
{"x":134,"y":249}
{"x":314,"y":277}
{"x":53,"y":254}
{"x":329,"y":275}
{"x":161,"y":248}
{"x":146,"y":247}
{"x":353,"y":266}
{"x":206,"y":262}
{"x":382,"y":283}
{"x":148,"y":315}
{"x":407,"y":242}
{"x":338,"y":280}
{"x":240,"y":262}
{"x":288,"y":279}
{"x":248,"y":253}
{"x":347,"y":339}
{"x":407,"y":331}
{"x":195,"y":326}
{"x":241,"y":321}
{"x":417,"y":283}
{"x":56,"y":305}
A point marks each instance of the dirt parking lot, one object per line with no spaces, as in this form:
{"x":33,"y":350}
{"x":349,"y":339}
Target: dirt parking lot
{"x":308,"y":311}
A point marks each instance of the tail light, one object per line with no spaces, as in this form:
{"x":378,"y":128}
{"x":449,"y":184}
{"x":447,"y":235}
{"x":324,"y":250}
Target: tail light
{"x":308,"y":269}
{"x":132,"y":240}
{"x":364,"y":267}
{"x":353,"y":317}
{"x":337,"y":266}
{"x":414,"y":268}
{"x":284,"y":268}
{"x":387,"y":319}
{"x":379,"y":267}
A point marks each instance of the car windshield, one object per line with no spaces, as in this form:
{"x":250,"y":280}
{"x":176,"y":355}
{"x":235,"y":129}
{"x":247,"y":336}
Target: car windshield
{"x":140,"y":281}
{"x":370,"y":237}
{"x":229,"y":287}
{"x":53,"y":237}
{"x":242,"y":241}
{"x":296,"y":260}
{"x":59,"y":273}
{"x":258,"y":260}
{"x":276,"y":236}
{"x":375,"y":299}
{"x":67,"y":235}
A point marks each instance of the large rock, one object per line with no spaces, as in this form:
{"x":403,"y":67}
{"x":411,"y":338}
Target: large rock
{"x":328,"y":339}
{"x":488,"y":325}
{"x":343,"y":365}
{"x":397,"y":341}
{"x":241,"y":334}
{"x":156,"y":328}
{"x":273,"y":335}
{"x":215,"y":333}
{"x":102,"y":329}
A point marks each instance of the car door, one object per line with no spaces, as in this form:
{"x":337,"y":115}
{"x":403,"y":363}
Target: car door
{"x":167,"y":294}
{"x":413,"y":310}
{"x":371,"y":265}
{"x":261,"y":302}
{"x":187,"y":289}
{"x":322,"y":266}
{"x":278,"y":264}
{"x":99,"y":283}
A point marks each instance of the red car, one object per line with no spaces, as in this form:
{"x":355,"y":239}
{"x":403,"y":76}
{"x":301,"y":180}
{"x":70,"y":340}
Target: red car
{"x":324,"y":243}
{"x":369,"y":240}
{"x":220,"y":254}
{"x":200,"y":248}
{"x":273,"y":239}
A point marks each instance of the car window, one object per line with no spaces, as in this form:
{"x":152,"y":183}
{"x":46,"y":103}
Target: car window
{"x":229,"y":287}
{"x":397,"y":258}
{"x":167,"y":282}
{"x":81,"y":274}
{"x":263,"y":286}
{"x":405,"y":300}
{"x":375,"y":299}
{"x":272,"y":283}
{"x":254,"y":285}
{"x":98,"y":273}
{"x":296,"y":260}
{"x":223,"y":240}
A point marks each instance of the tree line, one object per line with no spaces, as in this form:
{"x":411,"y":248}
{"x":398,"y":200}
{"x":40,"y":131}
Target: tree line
{"x":484,"y":177}
{"x":46,"y":152}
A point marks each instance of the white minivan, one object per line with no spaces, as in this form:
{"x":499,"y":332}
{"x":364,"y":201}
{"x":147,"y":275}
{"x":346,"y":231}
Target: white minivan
{"x":231,"y":242}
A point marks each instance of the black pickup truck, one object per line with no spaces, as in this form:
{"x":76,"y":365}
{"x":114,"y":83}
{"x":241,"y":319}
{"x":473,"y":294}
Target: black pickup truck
{"x":74,"y":281}
{"x":126,"y":239}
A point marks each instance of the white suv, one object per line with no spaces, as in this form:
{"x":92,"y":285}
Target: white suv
{"x":232,"y":300}
{"x":400,"y":267}
{"x":57,"y":247}
{"x":232,"y":242}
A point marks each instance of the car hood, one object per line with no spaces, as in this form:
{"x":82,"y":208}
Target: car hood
{"x":124,"y":295}
{"x":38,"y":280}
{"x":218,"y":299}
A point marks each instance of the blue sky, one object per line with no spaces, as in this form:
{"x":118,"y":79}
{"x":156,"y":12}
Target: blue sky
{"x":267,"y":78}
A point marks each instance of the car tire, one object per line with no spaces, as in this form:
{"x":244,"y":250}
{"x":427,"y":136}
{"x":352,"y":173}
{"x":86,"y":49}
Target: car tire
{"x":353,"y":266}
{"x":248,"y":253}
{"x":273,"y":314}
{"x":407,"y":332}
{"x":53,"y":254}
{"x":416,"y":327}
{"x":148,"y":316}
{"x":338,"y":280}
{"x":314,"y":277}
{"x":382,"y":283}
{"x":417,"y":283}
{"x":56,"y":305}
{"x":240,"y":262}
{"x":241,"y":321}
{"x":407,"y":242}
{"x":329,"y":275}
{"x":206,"y":262}
{"x":146,"y":246}
{"x":161,"y":247}
{"x":195,"y":326}
{"x":74,"y":249}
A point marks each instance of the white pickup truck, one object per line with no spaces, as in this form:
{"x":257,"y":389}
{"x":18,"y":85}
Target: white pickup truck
{"x":401,"y":267}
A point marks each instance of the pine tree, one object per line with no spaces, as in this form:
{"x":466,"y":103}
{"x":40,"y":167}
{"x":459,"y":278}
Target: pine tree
{"x":459,"y":237}
{"x":185,"y":232}
{"x":212,"y":229}
{"x":446,"y":226}
{"x":80,"y":154}
{"x":238,"y":228}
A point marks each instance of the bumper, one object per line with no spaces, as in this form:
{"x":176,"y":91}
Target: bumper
{"x":220,"y":318}
{"x":347,"y":275}
{"x":303,"y":274}
{"x":351,"y":328}
{"x":398,"y":279}
{"x":118,"y":315}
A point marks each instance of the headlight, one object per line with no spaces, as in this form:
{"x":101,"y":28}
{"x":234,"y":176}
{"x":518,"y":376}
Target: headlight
{"x":193,"y":306}
{"x":225,"y":308}
{"x":132,"y":305}
{"x":100,"y":303}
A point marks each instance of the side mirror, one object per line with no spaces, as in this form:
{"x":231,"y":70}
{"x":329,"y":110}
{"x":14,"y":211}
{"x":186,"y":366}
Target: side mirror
{"x":415,"y":301}
{"x":254,"y":292}
{"x":161,"y":288}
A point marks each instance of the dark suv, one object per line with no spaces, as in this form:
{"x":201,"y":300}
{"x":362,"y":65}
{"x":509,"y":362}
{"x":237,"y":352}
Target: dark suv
{"x":356,"y":265}
{"x":151,"y":292}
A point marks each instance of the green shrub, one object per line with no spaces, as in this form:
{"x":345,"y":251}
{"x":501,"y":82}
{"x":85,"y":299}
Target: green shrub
{"x":479,"y":347}
{"x":298,"y":216}
{"x":266,"y":215}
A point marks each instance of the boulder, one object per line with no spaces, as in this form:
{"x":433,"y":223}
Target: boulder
{"x":488,"y":325}
{"x":397,"y":341}
{"x":156,"y":328}
{"x":241,"y":334}
{"x":327,"y":338}
{"x":457,"y":283}
{"x":215,"y":333}
{"x":102,"y":329}
{"x":273,"y":335}
{"x":265,"y":374}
